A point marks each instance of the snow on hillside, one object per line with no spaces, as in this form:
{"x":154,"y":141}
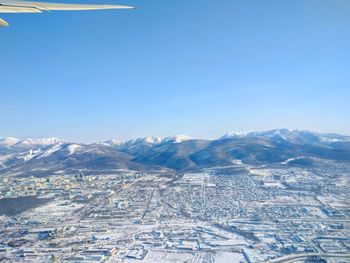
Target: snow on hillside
{"x":234,"y":135}
{"x":282,"y":133}
{"x":42,"y":141}
{"x":152,"y":140}
{"x":114,"y":142}
{"x":26,"y":156}
{"x":72,"y":148}
{"x":28,"y":142}
{"x":3,"y":159}
{"x":52,"y":150}
{"x":178,"y":138}
{"x":330,"y":138}
{"x":146,"y":140}
{"x":8,"y":141}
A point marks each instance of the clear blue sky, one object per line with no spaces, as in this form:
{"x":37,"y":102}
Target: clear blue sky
{"x":196,"y":67}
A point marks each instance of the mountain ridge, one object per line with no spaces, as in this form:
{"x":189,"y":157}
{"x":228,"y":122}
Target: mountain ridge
{"x":13,"y":141}
{"x":178,"y":153}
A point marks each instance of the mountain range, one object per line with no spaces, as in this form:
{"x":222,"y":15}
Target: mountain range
{"x":40,"y":157}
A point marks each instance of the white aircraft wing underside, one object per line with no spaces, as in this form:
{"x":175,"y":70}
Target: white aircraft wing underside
{"x":18,"y":6}
{"x":18,"y":9}
{"x":9,"y":6}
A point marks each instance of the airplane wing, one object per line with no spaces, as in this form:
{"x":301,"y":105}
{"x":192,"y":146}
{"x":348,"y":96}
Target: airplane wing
{"x":13,"y":6}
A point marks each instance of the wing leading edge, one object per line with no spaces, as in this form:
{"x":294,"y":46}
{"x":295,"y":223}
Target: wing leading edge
{"x":38,"y":7}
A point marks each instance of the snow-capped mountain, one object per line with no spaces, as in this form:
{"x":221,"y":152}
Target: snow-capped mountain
{"x":283,"y":133}
{"x":41,"y":142}
{"x":296,"y":136}
{"x":28,"y":142}
{"x":178,"y":138}
{"x":145,"y":140}
{"x":177,"y":152}
{"x":112,"y":142}
{"x":153,"y":140}
{"x":8,"y":141}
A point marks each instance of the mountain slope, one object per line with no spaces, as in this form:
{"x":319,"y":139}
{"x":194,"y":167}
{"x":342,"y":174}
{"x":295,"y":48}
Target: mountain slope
{"x":179,"y":153}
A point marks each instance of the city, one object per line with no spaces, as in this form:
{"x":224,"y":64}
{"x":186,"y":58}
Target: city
{"x":238,"y":213}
